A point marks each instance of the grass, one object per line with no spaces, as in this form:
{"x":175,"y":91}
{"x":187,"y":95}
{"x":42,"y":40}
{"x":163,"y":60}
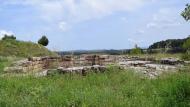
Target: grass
{"x":159,"y":56}
{"x":23,"y":49}
{"x":186,"y":56}
{"x":6,"y":61}
{"x":115,"y":88}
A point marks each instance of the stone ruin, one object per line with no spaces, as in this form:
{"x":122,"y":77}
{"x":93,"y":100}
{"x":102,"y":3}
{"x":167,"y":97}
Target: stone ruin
{"x":151,"y":67}
{"x":94,"y":63}
{"x":31,"y":64}
{"x":41,"y":63}
{"x":171,"y":61}
{"x":78,"y":70}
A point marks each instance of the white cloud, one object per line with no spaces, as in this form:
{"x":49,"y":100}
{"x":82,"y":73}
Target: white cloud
{"x":3,"y":32}
{"x":151,"y":25}
{"x":135,"y":41}
{"x":78,"y":10}
{"x":166,"y":17}
{"x":140,"y":32}
{"x":63,"y":26}
{"x":75,"y":11}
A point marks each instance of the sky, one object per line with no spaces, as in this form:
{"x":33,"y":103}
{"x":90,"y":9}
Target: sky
{"x":94,"y":24}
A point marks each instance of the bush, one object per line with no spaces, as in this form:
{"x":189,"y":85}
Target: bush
{"x":11,"y":37}
{"x":43,"y":41}
{"x":186,"y":44}
{"x":186,"y":56}
{"x":136,"y":51}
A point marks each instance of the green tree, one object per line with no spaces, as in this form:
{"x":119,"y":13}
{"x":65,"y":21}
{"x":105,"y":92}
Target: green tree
{"x":9,"y":37}
{"x":186,"y":44}
{"x":186,"y":13}
{"x":136,"y":50}
{"x":43,"y":41}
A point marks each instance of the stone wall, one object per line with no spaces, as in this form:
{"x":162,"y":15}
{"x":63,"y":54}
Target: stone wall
{"x":30,"y":65}
{"x":78,"y":70}
{"x":39,"y":63}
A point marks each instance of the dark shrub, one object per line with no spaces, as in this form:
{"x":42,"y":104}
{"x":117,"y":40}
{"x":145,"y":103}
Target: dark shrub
{"x":43,"y":41}
{"x":7,"y":37}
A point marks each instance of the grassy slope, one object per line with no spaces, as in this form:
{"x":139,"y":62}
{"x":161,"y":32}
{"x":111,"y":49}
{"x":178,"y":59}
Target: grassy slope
{"x":115,"y":88}
{"x":22,"y":49}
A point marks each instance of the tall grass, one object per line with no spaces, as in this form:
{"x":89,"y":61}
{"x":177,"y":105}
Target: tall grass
{"x":115,"y":88}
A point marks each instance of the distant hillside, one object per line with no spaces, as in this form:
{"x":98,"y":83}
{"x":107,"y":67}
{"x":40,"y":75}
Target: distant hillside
{"x":23,"y":49}
{"x":170,"y":43}
{"x":109,"y":52}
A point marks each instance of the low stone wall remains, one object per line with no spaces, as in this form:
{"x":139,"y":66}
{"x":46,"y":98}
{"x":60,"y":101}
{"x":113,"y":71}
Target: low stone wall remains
{"x":40,"y":63}
{"x":43,"y":63}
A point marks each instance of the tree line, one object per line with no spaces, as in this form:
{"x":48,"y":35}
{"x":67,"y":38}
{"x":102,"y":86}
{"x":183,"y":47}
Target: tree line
{"x":170,"y":43}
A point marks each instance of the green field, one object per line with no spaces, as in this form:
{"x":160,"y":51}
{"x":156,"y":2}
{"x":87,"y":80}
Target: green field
{"x":115,"y":88}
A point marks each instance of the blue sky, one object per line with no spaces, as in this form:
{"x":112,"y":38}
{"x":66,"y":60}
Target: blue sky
{"x":94,"y":24}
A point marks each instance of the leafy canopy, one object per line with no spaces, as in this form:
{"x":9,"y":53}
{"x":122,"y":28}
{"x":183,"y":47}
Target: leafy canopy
{"x":186,"y":13}
{"x":43,"y":41}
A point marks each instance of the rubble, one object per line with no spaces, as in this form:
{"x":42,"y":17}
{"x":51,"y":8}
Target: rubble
{"x":148,"y":68}
{"x":170,"y":61}
{"x":16,"y":69}
{"x":135,"y":63}
{"x":160,"y":67}
{"x":187,"y":62}
{"x":82,"y":70}
{"x":135,"y":58}
{"x":41,"y":74}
